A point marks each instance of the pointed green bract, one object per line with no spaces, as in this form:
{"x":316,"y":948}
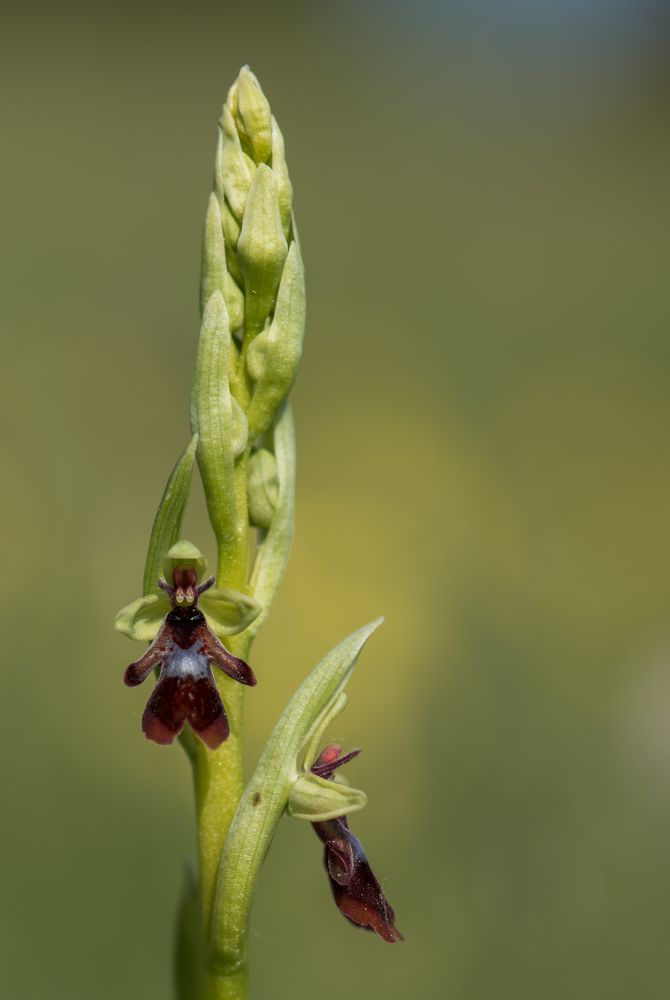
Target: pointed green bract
{"x":213,"y":260}
{"x":267,"y":794}
{"x":214,"y":275}
{"x":167,"y":523}
{"x":212,"y":418}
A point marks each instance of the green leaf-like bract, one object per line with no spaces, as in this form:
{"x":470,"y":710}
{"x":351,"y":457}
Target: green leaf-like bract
{"x":267,"y":793}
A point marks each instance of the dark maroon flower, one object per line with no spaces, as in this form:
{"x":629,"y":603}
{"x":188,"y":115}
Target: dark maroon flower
{"x":355,"y":889}
{"x":184,"y":649}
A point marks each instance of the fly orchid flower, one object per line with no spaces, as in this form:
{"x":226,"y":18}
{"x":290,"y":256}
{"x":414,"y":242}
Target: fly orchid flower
{"x":184,"y":647}
{"x":355,"y":889}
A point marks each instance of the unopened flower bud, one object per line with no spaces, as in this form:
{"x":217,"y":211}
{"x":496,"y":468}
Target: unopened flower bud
{"x":280,"y":170}
{"x":261,"y":248}
{"x":274,"y":355}
{"x":252,"y":116}
{"x":233,"y":173}
{"x":263,"y":488}
{"x":214,"y":270}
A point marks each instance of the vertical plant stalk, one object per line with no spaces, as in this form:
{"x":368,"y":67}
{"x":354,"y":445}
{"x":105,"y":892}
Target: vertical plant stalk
{"x":218,"y":776}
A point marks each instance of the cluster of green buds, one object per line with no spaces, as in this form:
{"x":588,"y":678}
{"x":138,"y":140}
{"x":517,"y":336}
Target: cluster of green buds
{"x":252,"y":300}
{"x":252,"y":306}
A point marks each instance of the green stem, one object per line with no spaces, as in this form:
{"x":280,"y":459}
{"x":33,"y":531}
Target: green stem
{"x":219,"y":775}
{"x":219,"y":782}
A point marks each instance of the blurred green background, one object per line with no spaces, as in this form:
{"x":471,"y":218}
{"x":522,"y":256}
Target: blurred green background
{"x":482,"y":192}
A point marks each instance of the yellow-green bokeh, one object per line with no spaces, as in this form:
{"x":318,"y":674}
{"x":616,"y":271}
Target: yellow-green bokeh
{"x":482,"y":418}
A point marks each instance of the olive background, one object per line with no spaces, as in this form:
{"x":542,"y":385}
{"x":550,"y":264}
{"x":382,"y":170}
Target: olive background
{"x":482,"y":415}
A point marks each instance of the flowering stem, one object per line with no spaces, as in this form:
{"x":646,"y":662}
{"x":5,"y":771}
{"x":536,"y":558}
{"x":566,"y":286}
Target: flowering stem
{"x":218,"y":780}
{"x":218,"y":775}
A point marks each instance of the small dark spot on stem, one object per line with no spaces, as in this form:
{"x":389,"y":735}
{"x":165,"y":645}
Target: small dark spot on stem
{"x":256,"y":798}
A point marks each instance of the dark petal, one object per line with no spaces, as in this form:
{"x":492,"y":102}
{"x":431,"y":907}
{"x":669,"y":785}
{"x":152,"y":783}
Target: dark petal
{"x":325,"y":767}
{"x":184,"y":577}
{"x":217,"y":653}
{"x":205,"y":585}
{"x":175,"y":699}
{"x":360,"y":898}
{"x":206,"y":713}
{"x":155,"y":654}
{"x":165,"y":713}
{"x":339,"y":857}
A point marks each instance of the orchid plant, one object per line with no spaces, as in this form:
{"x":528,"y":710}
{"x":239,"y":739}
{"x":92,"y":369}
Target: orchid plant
{"x":252,"y":299}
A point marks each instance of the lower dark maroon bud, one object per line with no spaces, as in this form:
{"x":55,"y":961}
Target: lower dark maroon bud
{"x":355,"y":889}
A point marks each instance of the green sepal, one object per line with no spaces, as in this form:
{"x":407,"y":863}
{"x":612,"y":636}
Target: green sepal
{"x":274,"y":356}
{"x":315,"y":799}
{"x":229,"y":611}
{"x":142,"y":619}
{"x":263,"y":488}
{"x":261,"y":248}
{"x":184,"y":553}
{"x":167,"y":523}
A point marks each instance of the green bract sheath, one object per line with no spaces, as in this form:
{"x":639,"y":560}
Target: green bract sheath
{"x":167,"y":523}
{"x":267,"y":794}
